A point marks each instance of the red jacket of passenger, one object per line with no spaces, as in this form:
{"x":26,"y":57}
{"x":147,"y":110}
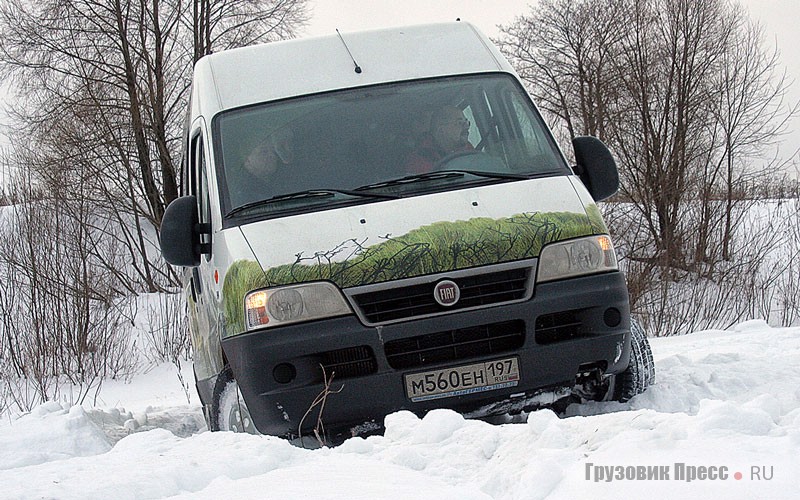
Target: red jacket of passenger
{"x":422,"y":160}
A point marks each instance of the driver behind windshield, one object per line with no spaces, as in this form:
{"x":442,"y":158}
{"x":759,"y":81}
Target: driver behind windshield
{"x":266,"y":169}
{"x":448,"y":133}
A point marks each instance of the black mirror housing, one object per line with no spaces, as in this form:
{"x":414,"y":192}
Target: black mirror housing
{"x":596,"y":167}
{"x":179,"y":235}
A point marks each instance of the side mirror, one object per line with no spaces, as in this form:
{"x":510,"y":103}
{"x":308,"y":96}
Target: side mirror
{"x":595,"y":167}
{"x":180,"y":233}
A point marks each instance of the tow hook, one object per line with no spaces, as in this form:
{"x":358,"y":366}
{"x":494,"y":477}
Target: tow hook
{"x":590,"y":384}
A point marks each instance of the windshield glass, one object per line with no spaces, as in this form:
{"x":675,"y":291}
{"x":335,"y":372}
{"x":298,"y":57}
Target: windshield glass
{"x":383,"y":140}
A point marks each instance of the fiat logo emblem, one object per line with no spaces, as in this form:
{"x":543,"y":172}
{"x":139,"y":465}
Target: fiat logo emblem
{"x":446,"y":293}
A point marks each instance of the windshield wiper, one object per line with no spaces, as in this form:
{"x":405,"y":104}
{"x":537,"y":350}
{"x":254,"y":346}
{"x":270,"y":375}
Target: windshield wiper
{"x":311,"y":193}
{"x":409,"y":179}
{"x":494,"y":175}
{"x":365,"y":195}
{"x":443,"y":174}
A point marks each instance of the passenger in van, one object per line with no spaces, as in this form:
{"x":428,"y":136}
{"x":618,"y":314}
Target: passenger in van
{"x":265,"y":171}
{"x":448,"y":134}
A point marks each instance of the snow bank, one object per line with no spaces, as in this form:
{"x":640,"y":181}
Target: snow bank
{"x":725,"y":407}
{"x":50,"y":433}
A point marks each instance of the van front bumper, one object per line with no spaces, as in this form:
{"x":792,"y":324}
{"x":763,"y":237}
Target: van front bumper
{"x":565,"y":327}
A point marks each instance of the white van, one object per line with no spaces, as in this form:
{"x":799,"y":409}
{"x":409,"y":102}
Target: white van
{"x":381,"y":221}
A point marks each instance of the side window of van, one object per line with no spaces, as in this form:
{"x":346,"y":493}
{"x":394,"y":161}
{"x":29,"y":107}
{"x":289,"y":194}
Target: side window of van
{"x":474,"y":132}
{"x":529,"y":132}
{"x":534,"y":146}
{"x":199,"y":185}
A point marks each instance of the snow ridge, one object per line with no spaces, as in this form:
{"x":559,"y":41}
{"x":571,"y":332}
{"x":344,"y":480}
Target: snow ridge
{"x":724,"y":401}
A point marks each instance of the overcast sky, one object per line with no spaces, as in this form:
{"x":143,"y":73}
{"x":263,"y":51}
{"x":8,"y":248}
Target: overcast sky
{"x":352,"y":15}
{"x":780,"y":19}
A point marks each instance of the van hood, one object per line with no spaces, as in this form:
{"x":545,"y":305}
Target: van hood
{"x":408,"y":237}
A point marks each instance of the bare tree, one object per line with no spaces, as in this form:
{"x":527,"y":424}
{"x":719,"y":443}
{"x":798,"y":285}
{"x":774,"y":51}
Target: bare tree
{"x":750,"y":113}
{"x":565,"y":51}
{"x":101,"y":86}
{"x":680,"y":89}
{"x":104,"y":83}
{"x":61,"y":324}
{"x":685,"y":92}
{"x":223,"y":24}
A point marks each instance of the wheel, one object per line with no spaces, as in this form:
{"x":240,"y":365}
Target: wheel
{"x":641,"y":371}
{"x":229,"y":411}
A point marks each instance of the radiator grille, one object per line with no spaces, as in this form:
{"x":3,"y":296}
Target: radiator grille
{"x":558,"y":327}
{"x":455,"y":345}
{"x":350,"y":362}
{"x":417,"y":299}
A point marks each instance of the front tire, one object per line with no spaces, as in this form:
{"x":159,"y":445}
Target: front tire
{"x":641,"y":371}
{"x":229,"y":410}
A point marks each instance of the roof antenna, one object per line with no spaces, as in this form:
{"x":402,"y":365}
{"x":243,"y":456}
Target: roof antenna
{"x":358,"y":68}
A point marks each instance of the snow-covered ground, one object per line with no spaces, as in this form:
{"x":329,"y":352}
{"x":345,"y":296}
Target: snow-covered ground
{"x":722,"y":421}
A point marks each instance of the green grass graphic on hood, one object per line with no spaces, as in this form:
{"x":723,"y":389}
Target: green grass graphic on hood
{"x":596,"y":219}
{"x":436,"y":248}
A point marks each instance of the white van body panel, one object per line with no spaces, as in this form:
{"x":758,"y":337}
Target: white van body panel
{"x":337,"y":264}
{"x":279,"y":242}
{"x":239,"y":77}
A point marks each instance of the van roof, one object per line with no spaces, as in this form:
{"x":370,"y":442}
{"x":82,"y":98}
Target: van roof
{"x":278,"y":70}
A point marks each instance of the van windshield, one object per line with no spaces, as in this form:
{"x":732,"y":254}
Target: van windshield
{"x":368,"y":144}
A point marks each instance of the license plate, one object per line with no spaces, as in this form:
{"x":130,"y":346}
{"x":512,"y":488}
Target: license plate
{"x":461,"y":380}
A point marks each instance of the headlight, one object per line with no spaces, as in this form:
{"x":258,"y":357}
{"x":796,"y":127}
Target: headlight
{"x":292,"y":304}
{"x":567,"y":259}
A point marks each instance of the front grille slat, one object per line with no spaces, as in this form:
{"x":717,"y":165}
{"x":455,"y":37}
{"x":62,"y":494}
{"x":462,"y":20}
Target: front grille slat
{"x":557,"y":327}
{"x":455,"y":345}
{"x":349,"y":362}
{"x":464,"y":346}
{"x":414,"y":300}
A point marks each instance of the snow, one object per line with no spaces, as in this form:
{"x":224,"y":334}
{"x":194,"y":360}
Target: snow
{"x":725,"y":402}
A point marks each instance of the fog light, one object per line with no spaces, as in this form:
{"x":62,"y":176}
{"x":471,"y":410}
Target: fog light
{"x":612,"y":317}
{"x":284,"y":373}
